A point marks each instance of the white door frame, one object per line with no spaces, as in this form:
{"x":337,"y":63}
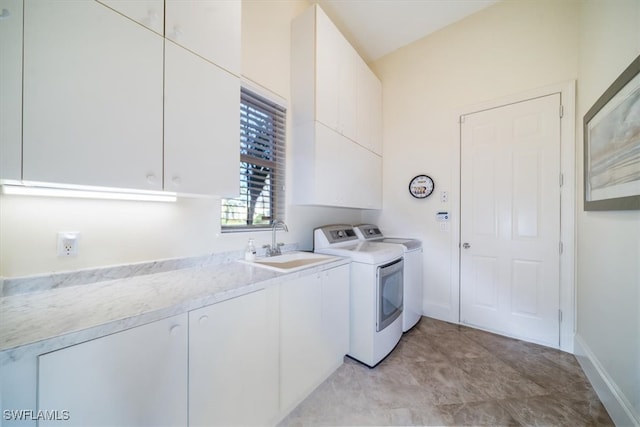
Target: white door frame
{"x":567,"y":91}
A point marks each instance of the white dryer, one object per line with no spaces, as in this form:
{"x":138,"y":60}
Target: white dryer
{"x":375,"y":294}
{"x":413,"y":270}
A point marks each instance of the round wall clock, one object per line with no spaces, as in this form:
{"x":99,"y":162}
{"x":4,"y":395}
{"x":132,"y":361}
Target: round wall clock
{"x":421,"y":186}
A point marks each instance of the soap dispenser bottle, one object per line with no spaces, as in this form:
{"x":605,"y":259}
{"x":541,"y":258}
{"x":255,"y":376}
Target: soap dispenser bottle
{"x":250,"y":251}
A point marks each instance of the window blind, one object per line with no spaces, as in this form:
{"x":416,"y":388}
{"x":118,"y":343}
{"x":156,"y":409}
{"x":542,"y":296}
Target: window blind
{"x":262,"y":166}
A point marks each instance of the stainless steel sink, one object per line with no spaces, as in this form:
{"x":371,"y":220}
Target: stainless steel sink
{"x":291,"y":261}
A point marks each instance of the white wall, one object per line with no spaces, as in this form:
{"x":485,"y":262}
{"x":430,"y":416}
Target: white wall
{"x":114,"y":232}
{"x":506,"y":49}
{"x":608,"y":261}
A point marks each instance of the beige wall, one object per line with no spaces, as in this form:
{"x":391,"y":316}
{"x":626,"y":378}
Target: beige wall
{"x":114,"y":232}
{"x":506,"y":49}
{"x":608,"y":261}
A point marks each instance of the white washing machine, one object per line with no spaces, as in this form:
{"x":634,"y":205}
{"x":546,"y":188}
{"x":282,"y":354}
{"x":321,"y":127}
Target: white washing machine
{"x":413,"y":270}
{"x":376,"y":291}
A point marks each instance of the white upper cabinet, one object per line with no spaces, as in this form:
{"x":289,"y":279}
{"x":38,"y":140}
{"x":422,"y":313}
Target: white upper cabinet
{"x":11,"y":89}
{"x":202,"y":97}
{"x":208,"y":28}
{"x":345,"y":174}
{"x":103,"y":87}
{"x":92,"y":97}
{"x":149,"y":13}
{"x":369,"y":109}
{"x":337,"y":112}
{"x":330,"y":170}
{"x":335,"y":78}
{"x":331,"y":83}
{"x":201,"y":126}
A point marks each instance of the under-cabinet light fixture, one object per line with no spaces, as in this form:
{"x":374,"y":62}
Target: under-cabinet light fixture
{"x":83,"y":193}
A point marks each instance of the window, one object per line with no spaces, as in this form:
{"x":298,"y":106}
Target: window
{"x":262,"y":164}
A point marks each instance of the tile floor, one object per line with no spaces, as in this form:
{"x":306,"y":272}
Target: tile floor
{"x":446,"y":374}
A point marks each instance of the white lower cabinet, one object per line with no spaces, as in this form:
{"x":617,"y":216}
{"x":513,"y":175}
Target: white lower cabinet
{"x":246,"y":361}
{"x":137,"y":377}
{"x":335,"y":313}
{"x":233,"y":361}
{"x":314,"y":332}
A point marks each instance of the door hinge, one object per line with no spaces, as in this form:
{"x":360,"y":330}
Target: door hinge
{"x":560,"y":316}
{"x":561,"y":111}
{"x":561,"y":248}
{"x":561,"y":180}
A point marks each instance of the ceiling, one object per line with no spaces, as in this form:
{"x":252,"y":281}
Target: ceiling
{"x":378,"y":27}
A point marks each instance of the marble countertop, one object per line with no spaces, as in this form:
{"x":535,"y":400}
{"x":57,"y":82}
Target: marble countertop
{"x":38,"y":322}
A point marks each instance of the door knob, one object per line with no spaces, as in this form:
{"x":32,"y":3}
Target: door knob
{"x":466,"y":245}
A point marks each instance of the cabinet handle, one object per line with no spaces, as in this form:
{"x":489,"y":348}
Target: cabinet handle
{"x":176,"y":180}
{"x":151,"y":18}
{"x":203,"y":319}
{"x":177,"y":32}
{"x":151,"y":178}
{"x":174,"y":330}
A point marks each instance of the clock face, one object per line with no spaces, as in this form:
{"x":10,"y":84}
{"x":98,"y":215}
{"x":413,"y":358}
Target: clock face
{"x":421,"y":186}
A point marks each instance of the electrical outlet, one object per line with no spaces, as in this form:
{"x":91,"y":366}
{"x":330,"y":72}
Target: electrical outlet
{"x":68,"y":243}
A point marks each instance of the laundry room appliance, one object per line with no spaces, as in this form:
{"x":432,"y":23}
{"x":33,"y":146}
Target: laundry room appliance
{"x":413,"y":270}
{"x":376,"y":291}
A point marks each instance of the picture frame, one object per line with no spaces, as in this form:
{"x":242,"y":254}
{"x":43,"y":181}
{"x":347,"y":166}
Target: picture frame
{"x":612,"y":146}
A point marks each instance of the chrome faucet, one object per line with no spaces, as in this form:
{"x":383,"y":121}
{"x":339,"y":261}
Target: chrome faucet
{"x":274,"y":248}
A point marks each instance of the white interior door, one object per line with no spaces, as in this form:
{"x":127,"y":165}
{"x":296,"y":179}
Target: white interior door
{"x":510,"y":220}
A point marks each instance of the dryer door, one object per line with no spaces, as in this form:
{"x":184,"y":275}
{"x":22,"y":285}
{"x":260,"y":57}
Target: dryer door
{"x":389,"y":293}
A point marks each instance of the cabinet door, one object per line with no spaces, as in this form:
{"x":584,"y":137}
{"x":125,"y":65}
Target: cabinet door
{"x":314,"y":332}
{"x":327,"y":72}
{"x":335,"y":78}
{"x":11,"y":89}
{"x":335,"y":313}
{"x":366,"y":191}
{"x":347,"y":89}
{"x":233,"y":361}
{"x":92,"y":97}
{"x":333,"y":168}
{"x":149,"y":13}
{"x":302,"y":349}
{"x":369,"y":109}
{"x":346,"y":174}
{"x":201,"y":126}
{"x":209,"y":28}
{"x":133,"y":378}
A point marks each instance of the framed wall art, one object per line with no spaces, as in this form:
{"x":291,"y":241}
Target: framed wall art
{"x":612,"y":146}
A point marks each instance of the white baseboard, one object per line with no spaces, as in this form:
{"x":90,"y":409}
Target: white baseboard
{"x":618,"y":406}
